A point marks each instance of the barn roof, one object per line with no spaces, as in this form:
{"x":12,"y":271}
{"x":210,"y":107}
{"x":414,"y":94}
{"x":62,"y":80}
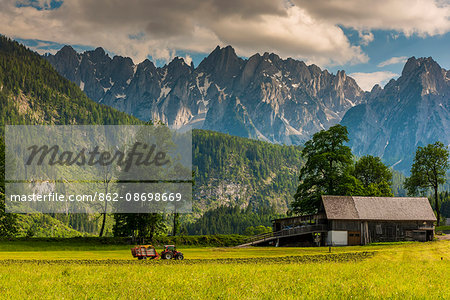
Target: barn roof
{"x":378,"y":208}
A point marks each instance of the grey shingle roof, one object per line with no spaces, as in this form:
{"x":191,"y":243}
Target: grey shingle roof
{"x":378,"y":208}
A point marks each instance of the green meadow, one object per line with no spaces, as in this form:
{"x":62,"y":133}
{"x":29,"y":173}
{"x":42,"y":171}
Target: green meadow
{"x":49,"y":270}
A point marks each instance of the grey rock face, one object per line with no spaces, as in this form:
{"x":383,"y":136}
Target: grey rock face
{"x":412,"y":111}
{"x":264,"y":97}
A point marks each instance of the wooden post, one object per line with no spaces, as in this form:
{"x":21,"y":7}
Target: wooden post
{"x":365,"y":233}
{"x":361,"y":229}
{"x":396,"y":229}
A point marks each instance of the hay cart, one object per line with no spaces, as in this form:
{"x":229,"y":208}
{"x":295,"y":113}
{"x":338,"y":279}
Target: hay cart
{"x":148,"y":251}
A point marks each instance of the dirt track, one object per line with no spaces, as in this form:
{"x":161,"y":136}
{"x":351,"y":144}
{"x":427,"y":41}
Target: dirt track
{"x":443,"y":237}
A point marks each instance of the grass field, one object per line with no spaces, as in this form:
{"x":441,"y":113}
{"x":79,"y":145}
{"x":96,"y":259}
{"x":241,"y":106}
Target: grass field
{"x":65,"y":271}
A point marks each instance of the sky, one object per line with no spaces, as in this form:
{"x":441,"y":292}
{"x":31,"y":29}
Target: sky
{"x":370,"y":40}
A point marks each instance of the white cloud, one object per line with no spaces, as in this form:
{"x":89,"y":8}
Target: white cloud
{"x":295,"y":34}
{"x":366,"y":37}
{"x":42,"y":51}
{"x":393,"y":61}
{"x":395,"y":35}
{"x":138,"y":28}
{"x":366,"y":81}
{"x":43,"y":47}
{"x":307,"y":30}
{"x":422,"y":17}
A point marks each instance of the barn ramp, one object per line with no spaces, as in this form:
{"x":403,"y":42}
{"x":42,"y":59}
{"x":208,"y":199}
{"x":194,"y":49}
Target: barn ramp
{"x":284,"y":233}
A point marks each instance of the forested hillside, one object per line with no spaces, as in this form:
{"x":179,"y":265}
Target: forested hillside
{"x":238,"y":171}
{"x":32,"y":92}
{"x":232,"y":220}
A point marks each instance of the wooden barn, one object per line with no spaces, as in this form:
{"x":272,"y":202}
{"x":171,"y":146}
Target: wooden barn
{"x":352,"y":220}
{"x":362,"y":220}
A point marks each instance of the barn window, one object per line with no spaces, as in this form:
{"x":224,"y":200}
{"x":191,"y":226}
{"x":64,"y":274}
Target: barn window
{"x":379,"y":230}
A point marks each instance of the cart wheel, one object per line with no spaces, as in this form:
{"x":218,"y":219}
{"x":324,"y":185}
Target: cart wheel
{"x":179,"y":256}
{"x":168,"y":255}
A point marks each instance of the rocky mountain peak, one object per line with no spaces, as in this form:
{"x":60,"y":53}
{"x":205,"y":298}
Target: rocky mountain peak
{"x":146,"y":64}
{"x":408,"y":112}
{"x":65,"y":61}
{"x":178,"y":68}
{"x":117,"y":59}
{"x":314,"y":69}
{"x":122,"y":69}
{"x":99,"y":51}
{"x":341,"y":74}
{"x":98,"y":55}
{"x":178,"y":62}
{"x":264,"y":97}
{"x":423,"y":75}
{"x":376,"y":88}
{"x":222,"y":61}
{"x":419,"y":65}
{"x":411,"y":64}
{"x":66,"y":51}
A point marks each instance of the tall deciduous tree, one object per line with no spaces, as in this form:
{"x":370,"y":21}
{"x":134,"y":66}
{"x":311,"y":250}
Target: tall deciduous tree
{"x":326,"y":171}
{"x":8,"y":222}
{"x":146,"y":223}
{"x":107,"y":182}
{"x":375,"y":176}
{"x":429,"y":171}
{"x":139,"y":225}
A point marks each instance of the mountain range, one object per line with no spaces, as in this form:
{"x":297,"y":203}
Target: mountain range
{"x":272,"y":99}
{"x":262,"y":97}
{"x":412,"y":111}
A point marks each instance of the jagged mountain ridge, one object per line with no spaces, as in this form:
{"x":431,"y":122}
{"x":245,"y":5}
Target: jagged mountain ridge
{"x":271,"y":99}
{"x":412,"y":111}
{"x":263,"y":97}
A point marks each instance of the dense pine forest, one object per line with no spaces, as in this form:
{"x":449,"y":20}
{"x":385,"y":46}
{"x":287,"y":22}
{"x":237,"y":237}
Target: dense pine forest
{"x":32,"y":92}
{"x":244,"y":172}
{"x":231,"y":220}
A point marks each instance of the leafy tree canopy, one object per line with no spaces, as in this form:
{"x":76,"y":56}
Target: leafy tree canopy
{"x":429,"y":171}
{"x":375,"y":176}
{"x":326,"y":171}
{"x":330,"y":170}
{"x":8,"y":222}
